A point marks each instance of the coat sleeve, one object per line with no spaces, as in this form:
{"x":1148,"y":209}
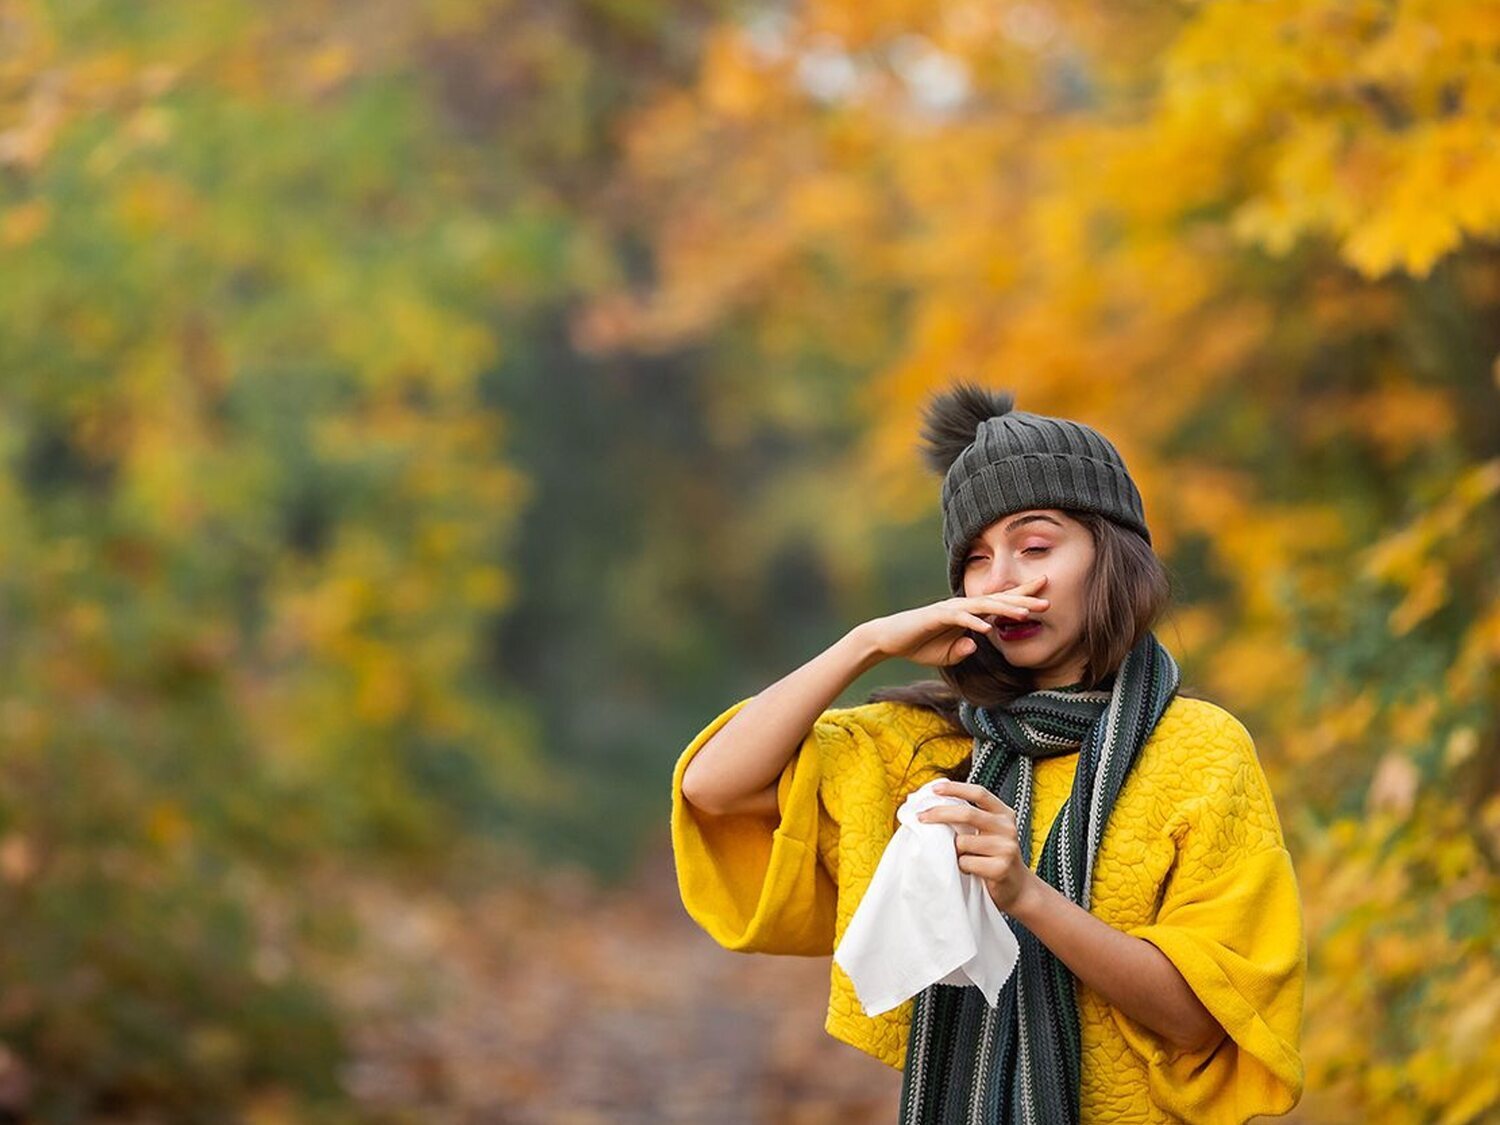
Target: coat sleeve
{"x":756,"y":883}
{"x":1230,"y":920}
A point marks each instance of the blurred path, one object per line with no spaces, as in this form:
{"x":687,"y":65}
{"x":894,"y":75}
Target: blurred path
{"x":559,"y":1003}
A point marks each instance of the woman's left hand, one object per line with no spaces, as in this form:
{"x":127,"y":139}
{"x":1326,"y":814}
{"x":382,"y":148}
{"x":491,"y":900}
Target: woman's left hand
{"x":994,"y":851}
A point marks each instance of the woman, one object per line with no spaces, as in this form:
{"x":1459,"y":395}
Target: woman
{"x":1162,"y":951}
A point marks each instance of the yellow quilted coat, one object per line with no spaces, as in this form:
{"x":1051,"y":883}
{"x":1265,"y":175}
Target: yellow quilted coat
{"x":1193,"y":861}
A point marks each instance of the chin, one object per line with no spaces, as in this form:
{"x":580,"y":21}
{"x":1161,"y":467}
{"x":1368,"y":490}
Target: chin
{"x":1030,"y":662}
{"x":1033,"y":660}
{"x":1028,"y":658}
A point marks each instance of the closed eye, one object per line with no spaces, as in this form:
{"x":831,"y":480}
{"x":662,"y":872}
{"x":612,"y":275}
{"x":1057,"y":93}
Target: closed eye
{"x":1027,"y":551}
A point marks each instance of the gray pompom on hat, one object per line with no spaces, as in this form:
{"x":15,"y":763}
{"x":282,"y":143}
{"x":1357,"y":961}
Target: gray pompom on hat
{"x":996,"y":460}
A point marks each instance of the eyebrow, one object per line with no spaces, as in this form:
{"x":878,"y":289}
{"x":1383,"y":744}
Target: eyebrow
{"x":1022,"y":522}
{"x":1029,"y":519}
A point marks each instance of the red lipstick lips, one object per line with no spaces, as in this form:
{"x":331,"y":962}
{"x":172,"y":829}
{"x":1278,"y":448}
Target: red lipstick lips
{"x":1018,"y":631}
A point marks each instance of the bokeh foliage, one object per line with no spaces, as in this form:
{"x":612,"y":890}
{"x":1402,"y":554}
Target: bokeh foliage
{"x":268,"y":273}
{"x":1256,"y":242}
{"x":415,"y":417}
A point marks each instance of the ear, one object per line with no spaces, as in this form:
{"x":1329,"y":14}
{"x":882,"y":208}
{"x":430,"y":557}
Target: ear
{"x":952,"y":417}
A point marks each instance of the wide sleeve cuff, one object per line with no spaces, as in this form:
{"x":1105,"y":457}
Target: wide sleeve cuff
{"x":1237,"y":940}
{"x":754,"y":882}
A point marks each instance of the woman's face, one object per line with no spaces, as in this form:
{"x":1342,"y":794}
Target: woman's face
{"x":1017,"y":548}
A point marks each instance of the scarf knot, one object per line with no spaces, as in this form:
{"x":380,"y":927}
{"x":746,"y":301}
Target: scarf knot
{"x":1040,"y":724}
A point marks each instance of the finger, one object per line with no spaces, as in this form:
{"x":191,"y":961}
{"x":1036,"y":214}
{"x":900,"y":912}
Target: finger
{"x":965,"y":819}
{"x":986,"y":867}
{"x":995,"y":829}
{"x":990,"y":603}
{"x":978,"y":794}
{"x":1028,"y":585}
{"x":993,"y":865}
{"x":948,"y":814}
{"x":980,"y":844}
{"x":995,"y":843}
{"x":1010,"y":603}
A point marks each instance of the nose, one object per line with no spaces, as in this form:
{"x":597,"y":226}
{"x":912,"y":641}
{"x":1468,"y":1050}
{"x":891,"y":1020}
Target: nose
{"x":1001,"y":576}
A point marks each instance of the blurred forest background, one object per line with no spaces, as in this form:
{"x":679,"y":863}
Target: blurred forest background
{"x":419,"y":419}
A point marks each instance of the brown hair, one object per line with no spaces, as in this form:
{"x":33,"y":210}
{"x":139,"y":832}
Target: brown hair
{"x":1128,"y":591}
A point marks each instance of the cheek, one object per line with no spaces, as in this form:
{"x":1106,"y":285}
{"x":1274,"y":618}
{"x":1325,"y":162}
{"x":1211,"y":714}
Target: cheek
{"x":1069,"y":574}
{"x":1067,"y":593}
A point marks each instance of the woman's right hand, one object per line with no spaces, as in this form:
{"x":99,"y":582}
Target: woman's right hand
{"x":938,"y":634}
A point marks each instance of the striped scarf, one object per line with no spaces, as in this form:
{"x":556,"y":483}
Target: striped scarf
{"x":1018,"y":1063}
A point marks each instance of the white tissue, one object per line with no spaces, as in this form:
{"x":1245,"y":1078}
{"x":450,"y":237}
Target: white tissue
{"x":922,"y":920}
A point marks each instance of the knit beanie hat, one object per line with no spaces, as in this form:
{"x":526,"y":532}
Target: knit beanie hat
{"x":996,"y":460}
